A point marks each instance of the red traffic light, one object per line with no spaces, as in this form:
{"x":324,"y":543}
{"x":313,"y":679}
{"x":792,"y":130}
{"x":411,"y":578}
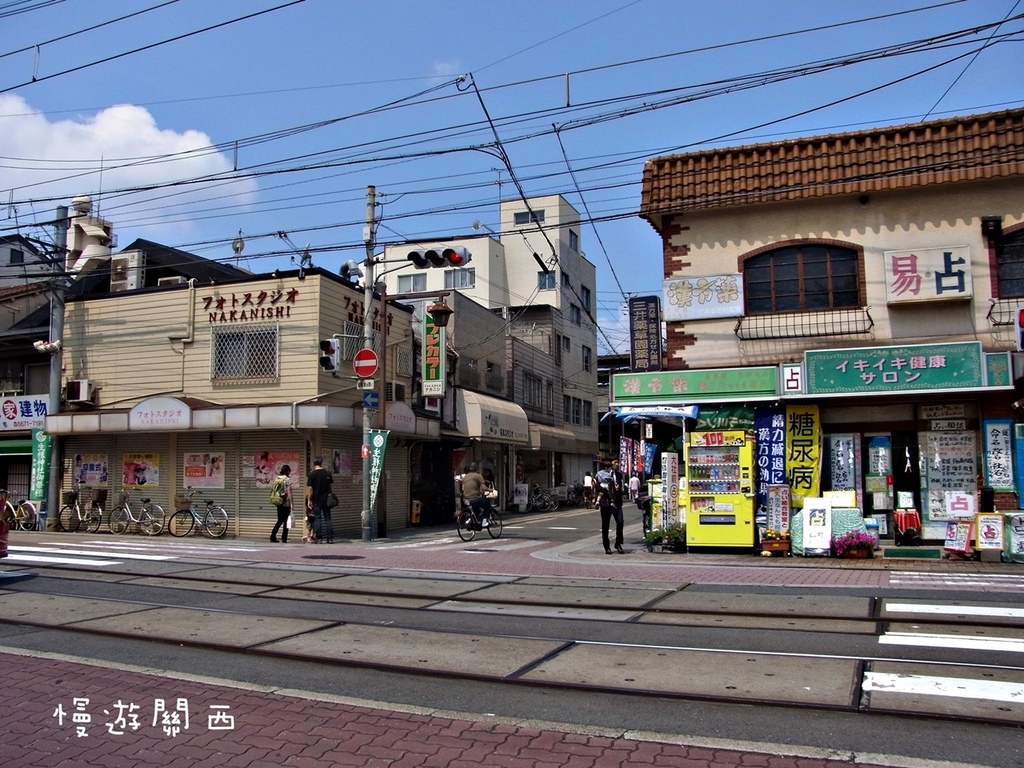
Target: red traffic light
{"x":427,"y":258}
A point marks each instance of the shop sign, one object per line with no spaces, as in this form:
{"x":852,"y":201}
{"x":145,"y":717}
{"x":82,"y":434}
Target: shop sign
{"x":1018,"y":446}
{"x":958,"y":537}
{"x":792,"y":379}
{"x":777,"y":510}
{"x":844,"y":464}
{"x":711,"y":417}
{"x":681,"y":387}
{"x":701,"y":298}
{"x":949,"y":425}
{"x":998,"y":454}
{"x":20,"y":412}
{"x":247,"y":306}
{"x":997,"y":369}
{"x":990,"y":531}
{"x":876,"y":370}
{"x":435,"y":359}
{"x":769,"y":451}
{"x":959,"y":505}
{"x":399,"y":417}
{"x":717,"y":438}
{"x":928,"y":274}
{"x":645,"y":333}
{"x":160,"y":413}
{"x":1015,"y":537}
{"x":817,"y":525}
{"x":946,"y":411}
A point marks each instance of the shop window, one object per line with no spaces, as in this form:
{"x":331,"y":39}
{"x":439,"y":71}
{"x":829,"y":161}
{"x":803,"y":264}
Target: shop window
{"x":802,"y":278}
{"x":249,"y":353}
{"x":1010,"y":265}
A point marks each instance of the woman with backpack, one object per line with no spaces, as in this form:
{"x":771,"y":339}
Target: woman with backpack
{"x":281,"y":497}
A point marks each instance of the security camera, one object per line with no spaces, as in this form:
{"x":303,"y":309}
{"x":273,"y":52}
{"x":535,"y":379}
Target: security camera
{"x":47,"y":346}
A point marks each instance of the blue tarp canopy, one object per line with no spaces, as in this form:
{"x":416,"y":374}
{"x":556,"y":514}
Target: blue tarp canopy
{"x":674,"y":414}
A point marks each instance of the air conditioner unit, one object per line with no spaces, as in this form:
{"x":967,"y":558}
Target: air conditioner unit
{"x":79,"y":391}
{"x":127,"y":271}
{"x":175,"y":280}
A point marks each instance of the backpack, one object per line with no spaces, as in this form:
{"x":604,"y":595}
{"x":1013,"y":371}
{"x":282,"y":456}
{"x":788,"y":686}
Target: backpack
{"x":277,"y":491}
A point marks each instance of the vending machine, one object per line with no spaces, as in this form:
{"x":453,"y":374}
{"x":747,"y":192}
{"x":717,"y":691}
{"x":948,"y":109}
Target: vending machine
{"x":718,"y":492}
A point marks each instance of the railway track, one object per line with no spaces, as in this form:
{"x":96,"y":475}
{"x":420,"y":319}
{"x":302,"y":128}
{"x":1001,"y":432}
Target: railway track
{"x":779,"y":648}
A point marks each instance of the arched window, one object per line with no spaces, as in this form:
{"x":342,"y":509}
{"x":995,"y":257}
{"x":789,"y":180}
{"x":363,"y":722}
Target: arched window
{"x":801,"y":278}
{"x":1010,"y":259}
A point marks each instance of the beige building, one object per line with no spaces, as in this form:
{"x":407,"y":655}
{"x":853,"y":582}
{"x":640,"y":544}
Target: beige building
{"x":215,"y":386}
{"x":872,"y":277}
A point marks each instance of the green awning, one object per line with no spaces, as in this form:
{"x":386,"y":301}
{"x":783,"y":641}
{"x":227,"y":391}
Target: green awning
{"x":16,"y":447}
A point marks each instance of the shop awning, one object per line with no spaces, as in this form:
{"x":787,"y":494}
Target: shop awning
{"x":545,"y":438}
{"x":488,"y":418}
{"x":673,"y":414}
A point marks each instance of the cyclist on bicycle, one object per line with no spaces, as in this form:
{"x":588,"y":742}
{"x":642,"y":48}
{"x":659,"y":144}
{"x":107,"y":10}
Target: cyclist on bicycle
{"x":474,"y":487}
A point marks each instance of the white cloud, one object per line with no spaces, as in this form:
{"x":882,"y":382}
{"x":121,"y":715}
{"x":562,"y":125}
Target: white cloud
{"x":120,"y":147}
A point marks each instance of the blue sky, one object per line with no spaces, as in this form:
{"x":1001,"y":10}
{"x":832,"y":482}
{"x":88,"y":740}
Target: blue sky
{"x":277,"y":122}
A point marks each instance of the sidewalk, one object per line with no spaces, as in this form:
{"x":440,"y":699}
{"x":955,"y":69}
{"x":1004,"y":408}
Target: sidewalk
{"x":118,"y":716}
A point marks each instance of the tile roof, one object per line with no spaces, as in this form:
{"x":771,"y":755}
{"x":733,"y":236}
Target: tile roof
{"x":898,"y":157}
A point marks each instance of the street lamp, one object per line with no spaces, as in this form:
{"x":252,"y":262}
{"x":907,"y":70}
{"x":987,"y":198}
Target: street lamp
{"x":440,"y":313}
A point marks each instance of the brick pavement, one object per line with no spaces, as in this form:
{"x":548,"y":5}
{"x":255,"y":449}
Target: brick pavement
{"x":275,"y":728}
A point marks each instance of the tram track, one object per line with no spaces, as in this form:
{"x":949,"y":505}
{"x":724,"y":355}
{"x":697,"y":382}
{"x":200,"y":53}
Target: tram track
{"x":296,"y":626}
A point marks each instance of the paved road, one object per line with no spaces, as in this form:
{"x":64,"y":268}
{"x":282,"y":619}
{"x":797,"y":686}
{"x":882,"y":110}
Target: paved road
{"x":275,"y":726}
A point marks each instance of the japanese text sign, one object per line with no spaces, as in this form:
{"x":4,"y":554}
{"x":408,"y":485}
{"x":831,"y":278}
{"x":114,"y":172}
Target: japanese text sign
{"x":803,"y":451}
{"x":999,"y":453}
{"x":645,"y":333}
{"x":435,"y":358}
{"x":681,"y":387}
{"x":913,"y":367}
{"x":700,"y":298}
{"x":769,"y":451}
{"x":928,"y":274}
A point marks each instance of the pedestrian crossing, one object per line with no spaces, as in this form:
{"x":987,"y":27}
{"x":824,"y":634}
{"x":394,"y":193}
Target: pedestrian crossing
{"x":1008,"y":582}
{"x":106,"y":553}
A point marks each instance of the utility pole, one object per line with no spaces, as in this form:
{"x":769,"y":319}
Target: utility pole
{"x":369,"y":239}
{"x":56,"y":358}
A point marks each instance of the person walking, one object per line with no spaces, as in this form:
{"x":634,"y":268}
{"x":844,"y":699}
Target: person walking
{"x":634,"y":487}
{"x":474,"y":491}
{"x":284,"y":509}
{"x":318,"y":487}
{"x":609,"y":499}
{"x":588,"y":489}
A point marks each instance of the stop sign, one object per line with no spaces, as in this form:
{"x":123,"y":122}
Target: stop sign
{"x":364,"y":363}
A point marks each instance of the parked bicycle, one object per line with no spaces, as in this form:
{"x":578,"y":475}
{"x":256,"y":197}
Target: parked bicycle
{"x":542,"y":500}
{"x":73,"y":516}
{"x":213,"y":520}
{"x":21,"y":516}
{"x":150,"y":520}
{"x":468,"y":523}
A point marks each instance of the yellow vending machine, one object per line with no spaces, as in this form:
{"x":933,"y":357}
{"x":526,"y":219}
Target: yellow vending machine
{"x":718,"y":494}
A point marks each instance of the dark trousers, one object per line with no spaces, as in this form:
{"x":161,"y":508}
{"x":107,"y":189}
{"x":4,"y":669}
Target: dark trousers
{"x":283,"y":510}
{"x":482,"y":507}
{"x":607,"y":513}
{"x":323,"y":528}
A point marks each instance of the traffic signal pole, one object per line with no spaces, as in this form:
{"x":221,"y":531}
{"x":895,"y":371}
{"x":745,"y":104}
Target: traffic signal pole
{"x":369,"y":239}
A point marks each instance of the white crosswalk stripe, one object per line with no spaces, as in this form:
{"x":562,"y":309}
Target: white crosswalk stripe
{"x":1001,"y":581}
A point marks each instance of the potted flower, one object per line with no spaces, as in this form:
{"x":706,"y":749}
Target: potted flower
{"x":854,"y":544}
{"x":673,"y":537}
{"x":774,"y":540}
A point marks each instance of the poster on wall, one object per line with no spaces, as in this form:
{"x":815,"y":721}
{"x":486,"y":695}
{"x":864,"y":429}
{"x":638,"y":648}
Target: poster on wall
{"x":140,"y":470}
{"x":803,"y":451}
{"x":777,"y":514}
{"x":949,"y":466}
{"x":341,"y":462}
{"x":90,"y":469}
{"x":264,"y":466}
{"x":999,"y":454}
{"x":670,"y":482}
{"x":203,"y":470}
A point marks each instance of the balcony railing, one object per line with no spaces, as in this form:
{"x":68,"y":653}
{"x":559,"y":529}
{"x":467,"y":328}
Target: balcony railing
{"x":805,"y":325}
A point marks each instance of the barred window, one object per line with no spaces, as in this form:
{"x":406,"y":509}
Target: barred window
{"x":246,"y":353}
{"x":1010,"y":264}
{"x":802,"y":278}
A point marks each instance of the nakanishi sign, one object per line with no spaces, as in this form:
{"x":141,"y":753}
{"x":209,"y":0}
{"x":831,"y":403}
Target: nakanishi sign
{"x":246,"y":306}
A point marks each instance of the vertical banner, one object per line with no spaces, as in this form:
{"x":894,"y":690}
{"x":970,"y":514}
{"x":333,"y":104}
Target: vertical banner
{"x":433,"y":369}
{"x":378,"y":445}
{"x":645,"y":334}
{"x":803,"y":451}
{"x":40,"y":464}
{"x":650,"y":449}
{"x":770,"y":450}
{"x":625,"y":455}
{"x":817,"y":538}
{"x":670,"y":488}
{"x":1018,"y":446}
{"x":999,"y":454}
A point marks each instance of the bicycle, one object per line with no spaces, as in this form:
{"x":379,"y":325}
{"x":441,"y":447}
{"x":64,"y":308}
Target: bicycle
{"x":468,"y":523}
{"x":214,"y":522}
{"x":72,"y":516}
{"x":20,"y":517}
{"x":541,"y":500}
{"x":150,"y":520}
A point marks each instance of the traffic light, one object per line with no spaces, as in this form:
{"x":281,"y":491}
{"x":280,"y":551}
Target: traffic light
{"x":330,"y":355}
{"x":1018,"y":330}
{"x":428,"y":258}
